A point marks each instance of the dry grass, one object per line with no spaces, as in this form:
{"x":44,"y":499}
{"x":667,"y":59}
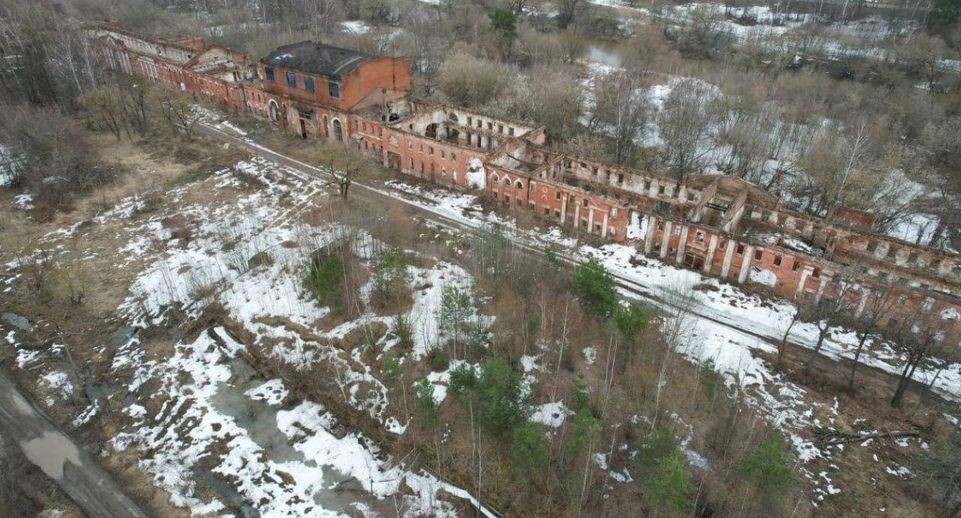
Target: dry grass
{"x":78,"y":299}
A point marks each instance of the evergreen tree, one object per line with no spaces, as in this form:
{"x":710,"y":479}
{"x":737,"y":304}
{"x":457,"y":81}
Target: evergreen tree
{"x":400,"y":326}
{"x":629,"y":320}
{"x":503,"y":403}
{"x":946,"y":12}
{"x":768,"y":468}
{"x":454,"y":314}
{"x":584,"y":424}
{"x":391,"y":371}
{"x":657,"y":446}
{"x":529,"y":451}
{"x":390,"y":266}
{"x":503,"y":23}
{"x":426,"y":406}
{"x":325,"y":279}
{"x":593,"y":284}
{"x":463,"y":379}
{"x":669,"y":488}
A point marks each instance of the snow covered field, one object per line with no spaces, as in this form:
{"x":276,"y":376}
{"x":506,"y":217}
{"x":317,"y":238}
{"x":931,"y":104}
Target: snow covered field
{"x":209,"y":429}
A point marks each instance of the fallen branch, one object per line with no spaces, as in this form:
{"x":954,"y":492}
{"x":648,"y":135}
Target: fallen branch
{"x":831,"y":437}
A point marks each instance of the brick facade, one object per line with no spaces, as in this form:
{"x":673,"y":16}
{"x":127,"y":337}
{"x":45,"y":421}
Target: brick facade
{"x":717,"y":225}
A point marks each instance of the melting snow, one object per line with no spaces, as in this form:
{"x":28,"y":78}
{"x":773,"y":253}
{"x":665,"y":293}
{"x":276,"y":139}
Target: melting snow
{"x":550,"y":414}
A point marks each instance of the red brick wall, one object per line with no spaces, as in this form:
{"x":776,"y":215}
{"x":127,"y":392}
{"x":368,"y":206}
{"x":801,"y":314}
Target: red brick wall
{"x":432,"y":160}
{"x":545,"y":200}
{"x":383,"y":72}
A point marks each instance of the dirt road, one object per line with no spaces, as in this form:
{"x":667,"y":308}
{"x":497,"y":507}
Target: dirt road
{"x":72,"y":468}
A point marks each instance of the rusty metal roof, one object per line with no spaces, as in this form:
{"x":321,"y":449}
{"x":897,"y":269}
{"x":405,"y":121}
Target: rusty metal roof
{"x":317,"y":58}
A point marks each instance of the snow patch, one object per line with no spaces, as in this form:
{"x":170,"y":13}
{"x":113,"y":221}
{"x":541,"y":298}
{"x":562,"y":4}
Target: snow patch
{"x":550,"y":414}
{"x":476,"y":174}
{"x":272,"y":392}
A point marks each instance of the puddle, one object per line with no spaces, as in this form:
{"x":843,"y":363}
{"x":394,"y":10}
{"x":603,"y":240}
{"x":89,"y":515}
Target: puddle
{"x":49,"y":452}
{"x":16,"y":321}
{"x":340,"y":493}
{"x":231,"y":495}
{"x":258,"y":418}
{"x":605,"y":53}
{"x":344,"y":492}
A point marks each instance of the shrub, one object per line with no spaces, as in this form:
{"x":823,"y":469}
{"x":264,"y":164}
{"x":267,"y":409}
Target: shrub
{"x":438,"y":359}
{"x":463,"y":379}
{"x":670,"y":487}
{"x":325,"y":278}
{"x":768,"y":469}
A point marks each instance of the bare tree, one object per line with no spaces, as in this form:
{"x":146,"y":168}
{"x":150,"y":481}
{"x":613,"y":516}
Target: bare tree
{"x":941,"y":154}
{"x":747,"y":129}
{"x":551,"y":98}
{"x":427,"y":45}
{"x":179,"y":113}
{"x":566,"y":11}
{"x":782,"y":344}
{"x":839,"y":168}
{"x":25,"y":40}
{"x":516,"y":6}
{"x":341,"y":166}
{"x":678,"y":320}
{"x":55,"y":160}
{"x":828,"y":312}
{"x":923,"y":57}
{"x":702,"y":35}
{"x":472,"y":81}
{"x":105,"y":110}
{"x":876,"y":305}
{"x":855,"y":149}
{"x":621,"y":111}
{"x":921,"y":335}
{"x":686,"y":122}
{"x":573,"y":45}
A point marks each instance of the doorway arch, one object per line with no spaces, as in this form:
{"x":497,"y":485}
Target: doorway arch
{"x":273,"y":111}
{"x":338,"y":131}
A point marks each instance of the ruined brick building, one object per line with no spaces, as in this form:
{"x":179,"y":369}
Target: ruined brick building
{"x":718,"y":225}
